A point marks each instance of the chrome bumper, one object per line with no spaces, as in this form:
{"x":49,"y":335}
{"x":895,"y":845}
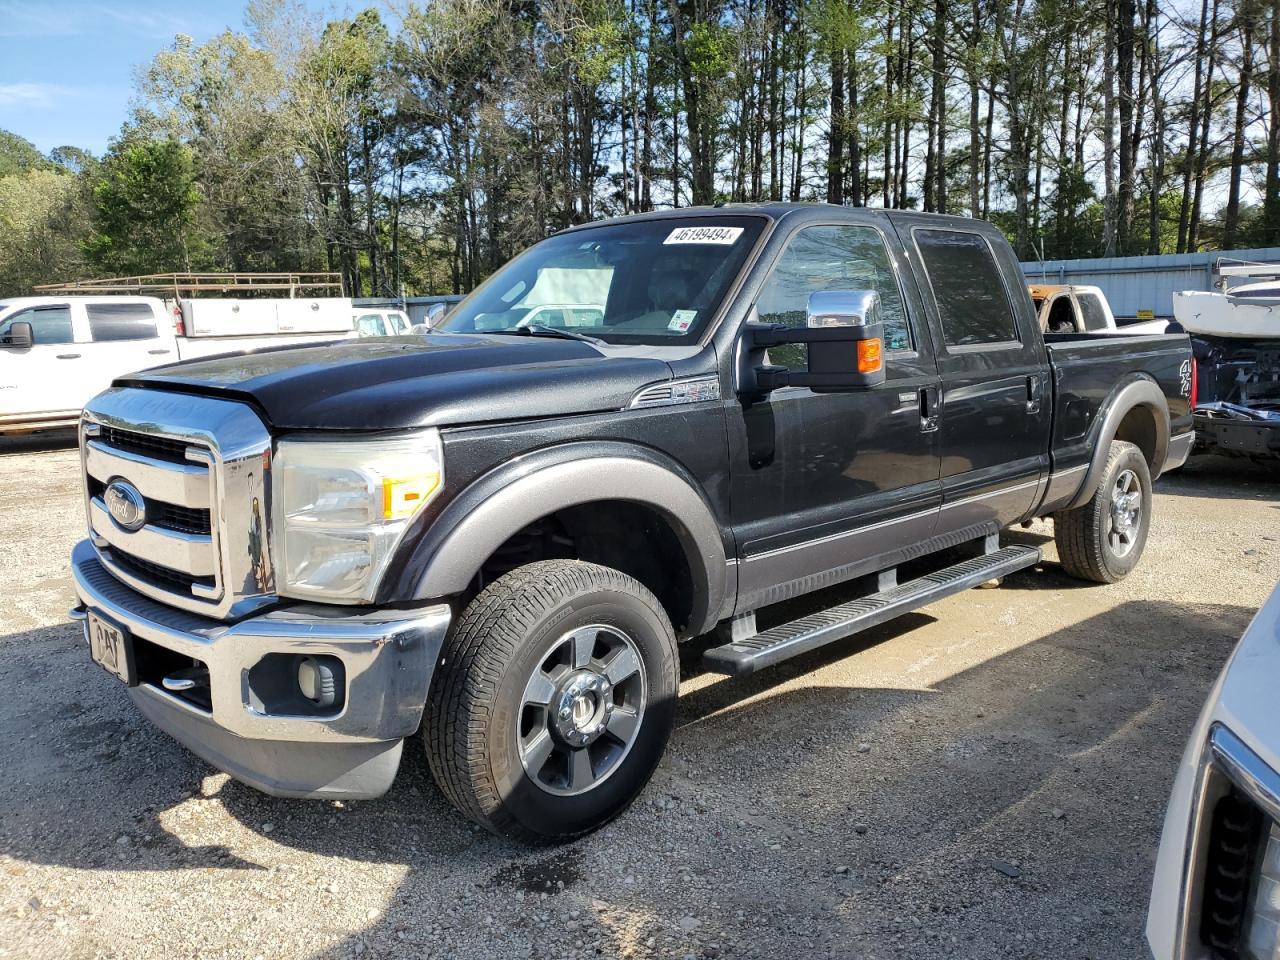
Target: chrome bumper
{"x":387,"y":658}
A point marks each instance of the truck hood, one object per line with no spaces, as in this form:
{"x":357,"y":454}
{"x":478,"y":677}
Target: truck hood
{"x":405,"y":382}
{"x":1246,"y":702}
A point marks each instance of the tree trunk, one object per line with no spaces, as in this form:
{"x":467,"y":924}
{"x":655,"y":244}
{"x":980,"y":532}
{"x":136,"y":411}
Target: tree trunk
{"x":1271,"y":189}
{"x":1206,"y":122}
{"x":1193,"y":129}
{"x":936,"y":156}
{"x":855,"y":145}
{"x":890,"y":137}
{"x":650,"y":111}
{"x":1231,"y":222}
{"x":1125,"y":14}
{"x":1109,"y":133}
{"x":836,"y":136}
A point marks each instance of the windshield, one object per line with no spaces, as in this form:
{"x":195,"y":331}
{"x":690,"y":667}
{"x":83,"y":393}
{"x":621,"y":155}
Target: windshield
{"x":649,"y":281}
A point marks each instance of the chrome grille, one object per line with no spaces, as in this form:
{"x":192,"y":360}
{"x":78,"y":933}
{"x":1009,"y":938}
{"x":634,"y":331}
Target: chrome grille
{"x":202,"y":467}
{"x":157,"y":448}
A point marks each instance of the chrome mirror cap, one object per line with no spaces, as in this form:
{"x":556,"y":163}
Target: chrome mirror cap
{"x":843,"y":308}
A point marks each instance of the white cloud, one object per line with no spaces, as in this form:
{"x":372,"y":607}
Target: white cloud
{"x":85,"y":19}
{"x":29,"y":94}
{"x":24,"y":20}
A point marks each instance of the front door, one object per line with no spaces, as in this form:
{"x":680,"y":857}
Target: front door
{"x":44,"y":378}
{"x":823,"y":484}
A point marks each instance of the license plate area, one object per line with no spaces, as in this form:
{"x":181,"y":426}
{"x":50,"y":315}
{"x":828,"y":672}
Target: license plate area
{"x":111,"y":647}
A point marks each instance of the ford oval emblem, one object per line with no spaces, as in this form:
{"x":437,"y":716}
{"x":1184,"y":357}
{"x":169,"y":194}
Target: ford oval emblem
{"x":125,"y":504}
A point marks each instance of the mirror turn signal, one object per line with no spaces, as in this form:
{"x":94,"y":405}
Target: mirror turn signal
{"x":870,"y":355}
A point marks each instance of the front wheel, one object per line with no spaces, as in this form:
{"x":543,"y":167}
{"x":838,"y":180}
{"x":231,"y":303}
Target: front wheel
{"x":1103,"y":540}
{"x":553,"y":700}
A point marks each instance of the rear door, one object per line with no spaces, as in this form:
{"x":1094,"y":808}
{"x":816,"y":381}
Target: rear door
{"x":47,"y":376}
{"x":823,"y":484}
{"x":995,"y":406}
{"x":124,"y":336}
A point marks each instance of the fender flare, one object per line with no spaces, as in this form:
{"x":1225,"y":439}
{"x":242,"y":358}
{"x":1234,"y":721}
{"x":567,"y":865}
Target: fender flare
{"x":1137,"y":393}
{"x":510,"y":497}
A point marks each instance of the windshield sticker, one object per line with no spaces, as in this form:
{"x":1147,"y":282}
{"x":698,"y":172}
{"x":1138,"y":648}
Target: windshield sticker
{"x":681,"y":320}
{"x":722,"y":236}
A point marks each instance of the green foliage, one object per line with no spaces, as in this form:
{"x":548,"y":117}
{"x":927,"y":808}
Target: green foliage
{"x":711,"y":50}
{"x":145,"y":208}
{"x":18,"y":154}
{"x":42,"y":219}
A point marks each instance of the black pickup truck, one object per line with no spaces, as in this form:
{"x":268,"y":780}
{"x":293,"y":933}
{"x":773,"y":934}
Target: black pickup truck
{"x":638,"y":432}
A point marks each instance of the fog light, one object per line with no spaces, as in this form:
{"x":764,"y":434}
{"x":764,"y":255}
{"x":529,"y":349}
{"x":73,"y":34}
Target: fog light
{"x":1262,"y":935}
{"x":318,"y":680}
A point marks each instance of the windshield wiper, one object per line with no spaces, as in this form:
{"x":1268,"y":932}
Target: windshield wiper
{"x":542,"y":330}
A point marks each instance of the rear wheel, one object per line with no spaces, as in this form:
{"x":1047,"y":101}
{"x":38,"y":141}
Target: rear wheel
{"x":553,"y":700}
{"x":1103,"y":540}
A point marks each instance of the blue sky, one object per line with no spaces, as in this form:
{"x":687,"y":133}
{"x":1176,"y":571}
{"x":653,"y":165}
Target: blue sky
{"x":66,"y":68}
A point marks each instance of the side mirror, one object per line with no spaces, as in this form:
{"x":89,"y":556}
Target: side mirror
{"x":846,"y":346}
{"x":435,"y":313}
{"x":20,"y":335}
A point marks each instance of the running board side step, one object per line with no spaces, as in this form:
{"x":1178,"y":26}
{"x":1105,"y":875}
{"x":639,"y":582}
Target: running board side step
{"x":749,"y":654}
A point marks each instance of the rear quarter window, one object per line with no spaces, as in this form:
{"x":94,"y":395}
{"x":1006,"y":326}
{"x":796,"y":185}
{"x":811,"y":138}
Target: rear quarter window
{"x":121,"y":321}
{"x":973,"y":305}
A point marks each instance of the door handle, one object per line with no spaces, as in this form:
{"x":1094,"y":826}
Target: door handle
{"x":929,"y":401}
{"x":68,"y":356}
{"x":157,"y":353}
{"x":1034,"y":388}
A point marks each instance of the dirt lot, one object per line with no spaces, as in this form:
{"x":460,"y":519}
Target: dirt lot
{"x":985,"y":778}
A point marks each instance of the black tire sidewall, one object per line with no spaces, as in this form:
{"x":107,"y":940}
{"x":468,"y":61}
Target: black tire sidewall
{"x":1130,"y":458}
{"x":551,"y":815}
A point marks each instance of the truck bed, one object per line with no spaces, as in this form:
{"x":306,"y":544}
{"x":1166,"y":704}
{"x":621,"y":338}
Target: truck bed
{"x":1088,"y":368}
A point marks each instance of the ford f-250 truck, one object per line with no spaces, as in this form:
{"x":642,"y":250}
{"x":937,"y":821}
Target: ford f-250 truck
{"x":499,"y":531}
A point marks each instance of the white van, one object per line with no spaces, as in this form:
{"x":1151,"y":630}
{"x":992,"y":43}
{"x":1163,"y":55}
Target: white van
{"x":57,"y":352}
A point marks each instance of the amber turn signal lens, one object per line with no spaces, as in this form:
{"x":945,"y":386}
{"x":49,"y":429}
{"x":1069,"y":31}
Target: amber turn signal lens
{"x":869,"y":355}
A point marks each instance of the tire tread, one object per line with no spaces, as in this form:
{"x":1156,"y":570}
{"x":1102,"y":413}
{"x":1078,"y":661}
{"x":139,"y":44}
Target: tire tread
{"x":1076,"y":531}
{"x":485,"y":639}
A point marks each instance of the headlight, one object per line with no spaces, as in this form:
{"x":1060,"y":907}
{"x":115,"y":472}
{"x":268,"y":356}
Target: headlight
{"x":1262,"y":933}
{"x":341,"y":506}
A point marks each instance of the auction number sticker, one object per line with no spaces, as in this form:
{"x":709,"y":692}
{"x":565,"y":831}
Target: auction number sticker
{"x":721,"y":236}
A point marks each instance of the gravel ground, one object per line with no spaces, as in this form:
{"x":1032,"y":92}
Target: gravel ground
{"x":984,"y":778}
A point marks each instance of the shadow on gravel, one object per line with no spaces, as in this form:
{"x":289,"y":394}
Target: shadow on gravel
{"x":1223,"y":478}
{"x":38,"y":442}
{"x":853,"y":815}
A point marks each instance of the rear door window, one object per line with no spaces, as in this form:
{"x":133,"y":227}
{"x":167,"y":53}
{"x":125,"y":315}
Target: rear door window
{"x":973,"y":305}
{"x":1091,"y":309}
{"x":121,"y":321}
{"x":48,"y":324}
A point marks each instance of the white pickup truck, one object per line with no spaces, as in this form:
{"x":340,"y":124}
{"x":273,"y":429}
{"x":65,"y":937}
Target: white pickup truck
{"x":1216,"y":892}
{"x":1078,"y":308}
{"x":57,"y":352}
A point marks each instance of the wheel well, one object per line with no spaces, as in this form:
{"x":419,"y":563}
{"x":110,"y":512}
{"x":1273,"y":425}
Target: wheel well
{"x":1139,"y":428}
{"x":628,"y":537}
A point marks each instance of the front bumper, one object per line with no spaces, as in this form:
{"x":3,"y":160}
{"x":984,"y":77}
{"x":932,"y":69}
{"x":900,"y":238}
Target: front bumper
{"x":1251,"y":438}
{"x":241,"y":723}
